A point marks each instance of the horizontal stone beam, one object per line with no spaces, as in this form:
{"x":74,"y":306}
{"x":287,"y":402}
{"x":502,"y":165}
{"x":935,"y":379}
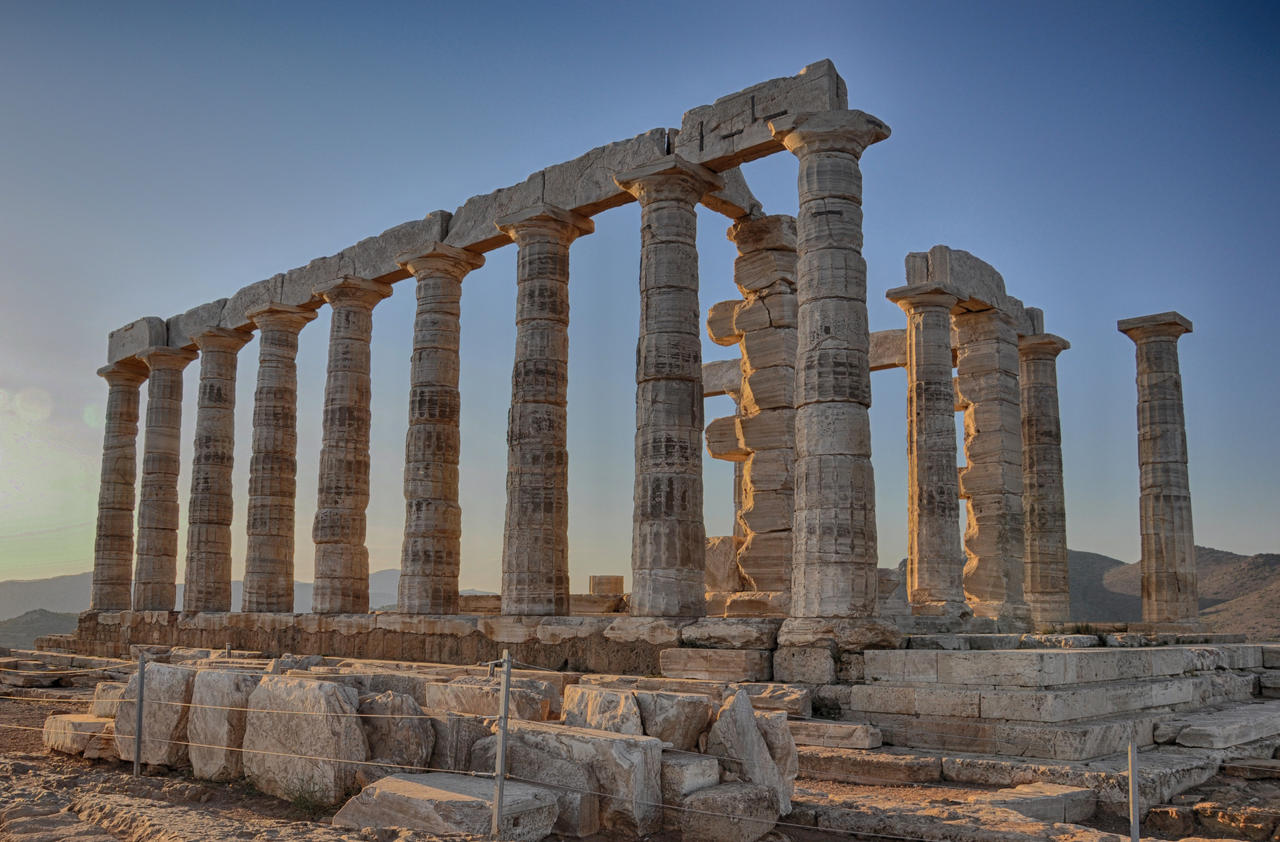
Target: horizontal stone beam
{"x":135,"y":337}
{"x":722,"y":377}
{"x":977,"y":282}
{"x":888,"y":349}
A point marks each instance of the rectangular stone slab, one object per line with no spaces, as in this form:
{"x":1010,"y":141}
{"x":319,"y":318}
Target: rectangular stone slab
{"x":717,"y":664}
{"x":1231,"y":727}
{"x":834,"y":734}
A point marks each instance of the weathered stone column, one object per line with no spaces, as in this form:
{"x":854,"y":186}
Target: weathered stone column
{"x":1045,"y":511}
{"x":833,"y":572}
{"x":208,"y":570}
{"x":155,"y":578}
{"x":342,"y":560}
{"x":535,"y":539}
{"x":1169,"y":591}
{"x":991,"y":480}
{"x":935,"y":559}
{"x":273,"y":468}
{"x":430,"y":556}
{"x":668,"y":539}
{"x":113,"y":545}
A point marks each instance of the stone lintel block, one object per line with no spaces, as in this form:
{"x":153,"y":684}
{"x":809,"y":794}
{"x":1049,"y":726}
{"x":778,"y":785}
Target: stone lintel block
{"x":255,"y":296}
{"x":721,"y":377}
{"x":971,"y":279}
{"x":1158,"y":324}
{"x":888,"y":350}
{"x":735,"y":200}
{"x":735,"y":128}
{"x":804,"y":665}
{"x":655,"y":631}
{"x":126,"y":342}
{"x":184,"y":327}
{"x":835,"y":734}
{"x":717,"y":664}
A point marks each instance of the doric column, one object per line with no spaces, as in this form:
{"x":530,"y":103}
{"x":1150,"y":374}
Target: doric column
{"x":935,"y":559}
{"x":1169,"y":591}
{"x":1045,"y":510}
{"x":155,"y":579}
{"x":833,"y":565}
{"x":208,"y":573}
{"x":273,"y":467}
{"x":342,"y":560}
{"x":113,"y":545}
{"x":668,"y":538}
{"x":991,"y":480}
{"x":535,"y":539}
{"x":429,"y":559}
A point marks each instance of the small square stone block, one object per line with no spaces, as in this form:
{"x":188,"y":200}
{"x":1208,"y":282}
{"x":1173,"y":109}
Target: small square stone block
{"x":717,"y":664}
{"x":605,"y":585}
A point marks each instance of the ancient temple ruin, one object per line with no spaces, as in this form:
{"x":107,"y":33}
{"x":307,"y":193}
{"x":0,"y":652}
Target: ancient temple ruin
{"x":804,"y":548}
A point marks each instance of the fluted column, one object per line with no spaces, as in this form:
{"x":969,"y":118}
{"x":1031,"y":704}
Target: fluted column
{"x":991,"y":480}
{"x":342,"y":560}
{"x":273,"y":467}
{"x":668,"y":538}
{"x":208,"y":571}
{"x":155,"y":578}
{"x":834,"y":557}
{"x":429,"y":559}
{"x":1170,"y":593}
{"x":535,"y":539}
{"x":1045,"y":511}
{"x":113,"y":544}
{"x":935,"y":559}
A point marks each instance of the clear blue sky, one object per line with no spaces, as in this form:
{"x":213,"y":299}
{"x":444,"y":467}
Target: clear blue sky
{"x":1110,"y":159}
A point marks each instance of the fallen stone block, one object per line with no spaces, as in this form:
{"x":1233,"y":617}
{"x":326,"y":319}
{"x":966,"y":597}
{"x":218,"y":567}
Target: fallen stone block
{"x":835,"y":734}
{"x":303,"y":739}
{"x":797,"y":701}
{"x":603,"y":709}
{"x":874,"y":768}
{"x":730,"y":812}
{"x":682,"y":775}
{"x":572,"y":783}
{"x":398,"y":733}
{"x":717,"y":664}
{"x":215,"y":726}
{"x":676,"y":718}
{"x":455,"y":736}
{"x":165,"y":711}
{"x":782,"y":748}
{"x":739,"y":744}
{"x":628,"y":768}
{"x":106,"y":698}
{"x":483,"y":697}
{"x":443,"y":803}
{"x":69,"y":733}
{"x":102,"y":746}
{"x":1047,"y":802}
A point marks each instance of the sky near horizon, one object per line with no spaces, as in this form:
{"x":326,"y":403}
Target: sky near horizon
{"x":1110,"y":159}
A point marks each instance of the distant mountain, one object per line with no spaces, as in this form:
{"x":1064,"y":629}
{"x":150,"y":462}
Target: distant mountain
{"x":20,"y":632}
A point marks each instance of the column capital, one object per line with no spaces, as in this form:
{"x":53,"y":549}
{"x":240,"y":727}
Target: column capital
{"x":277,"y":316}
{"x":221,"y":339}
{"x":1042,"y":346}
{"x":543,"y":221}
{"x":348,"y":289}
{"x":1169,"y":325}
{"x":671,"y":177}
{"x":777,"y":232}
{"x":914,"y":296}
{"x":159,"y":357}
{"x":126,"y":372}
{"x":828,"y":131}
{"x":437,"y":257}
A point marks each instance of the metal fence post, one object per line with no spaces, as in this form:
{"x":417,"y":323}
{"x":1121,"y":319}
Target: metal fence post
{"x":1133,"y":791}
{"x":500,"y":761}
{"x":137,"y":723}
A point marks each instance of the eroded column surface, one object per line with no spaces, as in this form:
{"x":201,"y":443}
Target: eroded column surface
{"x":273,"y":467}
{"x":342,"y":560}
{"x":208,"y":570}
{"x":155,"y":577}
{"x":935,"y":559}
{"x":1045,"y":511}
{"x":668,"y":536}
{"x":991,"y":480}
{"x":833,"y":573}
{"x":1169,"y":589}
{"x":535,"y":539}
{"x":432,"y":548}
{"x":113,"y":544}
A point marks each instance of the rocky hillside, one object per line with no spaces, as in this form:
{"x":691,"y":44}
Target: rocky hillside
{"x":20,"y":632}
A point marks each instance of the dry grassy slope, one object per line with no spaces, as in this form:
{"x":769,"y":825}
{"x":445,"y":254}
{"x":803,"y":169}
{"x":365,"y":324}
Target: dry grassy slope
{"x":1238,"y":594}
